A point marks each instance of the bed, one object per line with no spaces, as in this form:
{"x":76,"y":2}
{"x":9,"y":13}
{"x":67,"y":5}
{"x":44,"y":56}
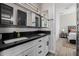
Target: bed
{"x":71,"y":34}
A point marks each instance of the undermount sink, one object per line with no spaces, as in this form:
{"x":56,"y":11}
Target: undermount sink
{"x":15,"y":40}
{"x":41,"y":34}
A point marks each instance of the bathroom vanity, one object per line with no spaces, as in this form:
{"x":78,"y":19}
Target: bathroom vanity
{"x":33,"y":45}
{"x":21,"y":32}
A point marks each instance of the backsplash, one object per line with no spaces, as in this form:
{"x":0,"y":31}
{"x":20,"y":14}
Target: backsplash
{"x":6,"y":36}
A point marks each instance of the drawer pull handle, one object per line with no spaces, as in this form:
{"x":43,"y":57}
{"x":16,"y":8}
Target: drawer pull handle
{"x":40,"y":52}
{"x":40,"y":46}
{"x":47,"y":43}
{"x":39,"y":40}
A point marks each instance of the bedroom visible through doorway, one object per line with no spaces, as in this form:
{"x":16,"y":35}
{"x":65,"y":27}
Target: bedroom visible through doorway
{"x":66,"y":29}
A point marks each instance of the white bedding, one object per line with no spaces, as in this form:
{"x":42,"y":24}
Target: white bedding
{"x":72,"y":36}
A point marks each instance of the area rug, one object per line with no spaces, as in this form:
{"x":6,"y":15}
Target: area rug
{"x":69,"y":45}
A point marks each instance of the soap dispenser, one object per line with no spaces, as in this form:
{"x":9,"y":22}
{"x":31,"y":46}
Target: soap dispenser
{"x":18,"y":34}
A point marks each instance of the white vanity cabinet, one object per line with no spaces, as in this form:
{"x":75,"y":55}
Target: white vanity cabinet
{"x":42,"y":47}
{"x":38,"y":47}
{"x":18,"y":50}
{"x":28,"y":52}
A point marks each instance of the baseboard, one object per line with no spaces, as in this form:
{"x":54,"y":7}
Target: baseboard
{"x":53,"y":52}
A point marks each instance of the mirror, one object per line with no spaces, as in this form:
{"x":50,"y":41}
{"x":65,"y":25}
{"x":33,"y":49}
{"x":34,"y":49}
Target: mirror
{"x":44,"y":22}
{"x":33,"y":19}
{"x":24,"y":18}
{"x":21,"y":18}
{"x":38,"y":21}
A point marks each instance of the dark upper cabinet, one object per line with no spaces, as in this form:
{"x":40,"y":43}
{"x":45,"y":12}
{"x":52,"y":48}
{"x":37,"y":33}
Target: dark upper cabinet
{"x":21,"y":18}
{"x":6,"y":13}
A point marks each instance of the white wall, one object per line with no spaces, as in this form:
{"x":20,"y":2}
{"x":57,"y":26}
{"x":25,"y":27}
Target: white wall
{"x":50,"y":7}
{"x":66,"y":15}
{"x":68,"y":18}
{"x":50,"y":10}
{"x":57,"y":25}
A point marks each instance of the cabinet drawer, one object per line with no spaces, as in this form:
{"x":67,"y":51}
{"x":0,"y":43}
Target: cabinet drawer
{"x":29,"y":52}
{"x":17,"y":49}
{"x":39,"y":40}
{"x":36,"y":47}
{"x":42,"y":39}
{"x":39,"y":50}
{"x":42,"y":51}
{"x":40,"y":46}
{"x":46,"y":50}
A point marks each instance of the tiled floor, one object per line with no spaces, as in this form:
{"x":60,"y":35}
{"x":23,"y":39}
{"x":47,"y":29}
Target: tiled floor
{"x":64,"y":48}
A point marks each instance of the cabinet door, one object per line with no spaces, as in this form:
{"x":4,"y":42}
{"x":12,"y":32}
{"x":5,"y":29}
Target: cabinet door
{"x":39,"y":48}
{"x":46,"y":38}
{"x":45,"y":50}
{"x":29,"y":52}
{"x":18,"y":50}
{"x":42,"y":46}
{"x":39,"y":51}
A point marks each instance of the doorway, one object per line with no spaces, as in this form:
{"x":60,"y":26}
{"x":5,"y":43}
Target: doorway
{"x":66,"y":29}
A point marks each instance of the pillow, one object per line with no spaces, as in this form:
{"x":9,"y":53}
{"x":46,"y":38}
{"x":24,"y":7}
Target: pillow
{"x":72,"y":30}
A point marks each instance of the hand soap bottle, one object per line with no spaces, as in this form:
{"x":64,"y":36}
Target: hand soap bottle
{"x":18,"y":34}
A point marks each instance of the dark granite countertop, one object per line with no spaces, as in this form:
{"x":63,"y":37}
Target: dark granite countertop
{"x":30,"y":38}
